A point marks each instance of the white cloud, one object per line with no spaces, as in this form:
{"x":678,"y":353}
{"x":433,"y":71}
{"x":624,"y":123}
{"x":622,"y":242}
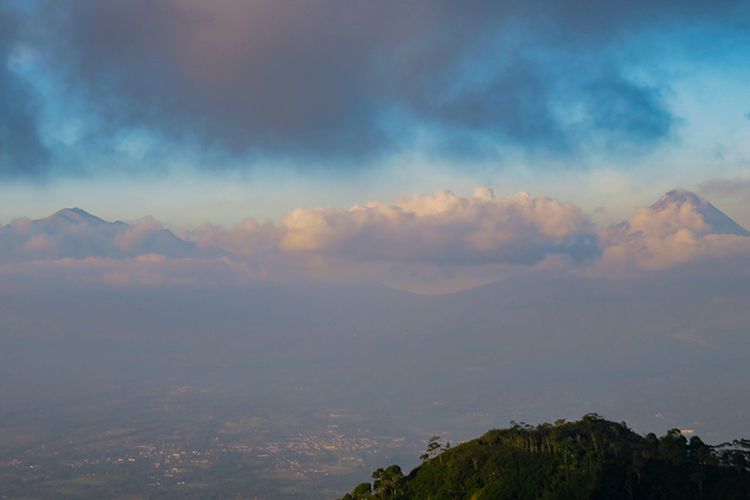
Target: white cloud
{"x":680,"y":228}
{"x":443,"y":228}
{"x":133,"y":235}
{"x":428,"y":243}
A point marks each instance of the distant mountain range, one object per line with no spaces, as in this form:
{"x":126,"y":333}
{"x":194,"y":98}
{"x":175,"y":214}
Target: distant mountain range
{"x":76,"y":234}
{"x":679,"y":209}
{"x":717,"y":222}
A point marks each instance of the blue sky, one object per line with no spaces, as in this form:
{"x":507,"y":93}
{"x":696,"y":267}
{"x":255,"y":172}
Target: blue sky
{"x":191,"y":112}
{"x":338,"y":147}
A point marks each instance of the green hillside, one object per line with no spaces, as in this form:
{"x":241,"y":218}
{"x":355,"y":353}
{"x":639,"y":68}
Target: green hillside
{"x":589,"y":459}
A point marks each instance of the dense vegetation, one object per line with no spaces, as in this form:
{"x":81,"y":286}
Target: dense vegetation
{"x":591,"y":458}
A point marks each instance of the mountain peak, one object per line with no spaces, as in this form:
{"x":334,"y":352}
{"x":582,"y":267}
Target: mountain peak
{"x":679,"y":196}
{"x":716,"y":220}
{"x":75,"y":216}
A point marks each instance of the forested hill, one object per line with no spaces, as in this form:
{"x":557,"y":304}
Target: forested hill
{"x":592,"y":458}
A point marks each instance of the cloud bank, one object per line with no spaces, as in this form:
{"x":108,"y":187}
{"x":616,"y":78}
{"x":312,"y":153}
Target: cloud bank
{"x":678,"y":229}
{"x":424,"y":242}
{"x":76,"y":234}
{"x":322,"y":81}
{"x":445,"y":229}
{"x":22,"y":151}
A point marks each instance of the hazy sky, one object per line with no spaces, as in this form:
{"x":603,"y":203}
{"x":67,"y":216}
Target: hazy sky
{"x":569,"y":180}
{"x":197,"y":111}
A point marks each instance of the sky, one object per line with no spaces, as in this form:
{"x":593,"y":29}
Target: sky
{"x":420,"y":145}
{"x":197,"y":112}
{"x":556,"y":189}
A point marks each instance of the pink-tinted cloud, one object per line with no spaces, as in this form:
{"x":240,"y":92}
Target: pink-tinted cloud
{"x":76,"y":234}
{"x":678,"y":229}
{"x":443,"y":228}
{"x":429,"y":243}
{"x":249,"y":238}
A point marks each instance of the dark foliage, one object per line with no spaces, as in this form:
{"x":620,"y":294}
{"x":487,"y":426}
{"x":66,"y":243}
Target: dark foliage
{"x":592,"y":458}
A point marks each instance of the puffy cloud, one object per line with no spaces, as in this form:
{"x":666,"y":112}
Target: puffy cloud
{"x":326,"y":80}
{"x":250,"y":238}
{"x":678,"y":229}
{"x":40,"y":243}
{"x":133,"y":235}
{"x":74,"y":233}
{"x":73,"y":247}
{"x":428,"y":243}
{"x":678,"y":248}
{"x":444,"y":228}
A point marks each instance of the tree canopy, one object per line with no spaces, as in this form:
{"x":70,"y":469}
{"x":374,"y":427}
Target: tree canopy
{"x":590,"y":458}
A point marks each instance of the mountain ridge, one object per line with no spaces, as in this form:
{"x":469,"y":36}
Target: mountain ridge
{"x":590,"y":458}
{"x":76,"y":215}
{"x":76,"y":233}
{"x":715,"y":219}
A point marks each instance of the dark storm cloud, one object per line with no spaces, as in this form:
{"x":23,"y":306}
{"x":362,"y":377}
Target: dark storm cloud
{"x":287,"y":78}
{"x":21,"y":149}
{"x":319,"y":79}
{"x":625,"y":110}
{"x":513,"y":105}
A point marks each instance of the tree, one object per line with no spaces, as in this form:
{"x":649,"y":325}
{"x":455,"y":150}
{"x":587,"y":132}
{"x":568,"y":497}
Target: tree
{"x":433,"y":448}
{"x":388,"y":483}
{"x":362,"y":492}
{"x":587,"y":459}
